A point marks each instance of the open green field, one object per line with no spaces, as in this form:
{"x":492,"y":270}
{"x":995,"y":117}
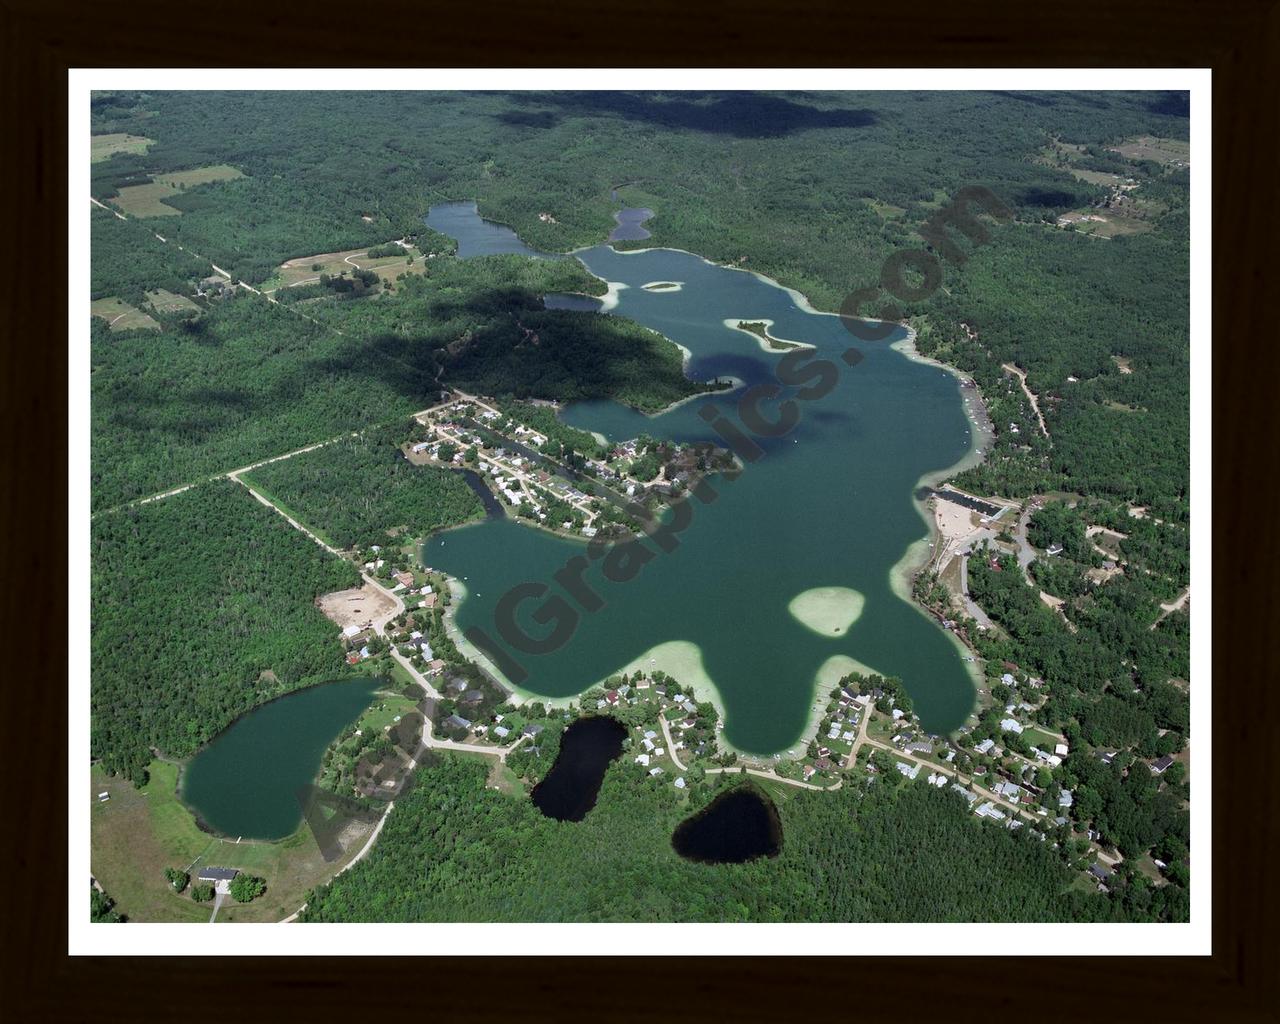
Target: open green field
{"x":103,"y":147}
{"x":1150,"y":147}
{"x":148,"y":200}
{"x":307,"y":269}
{"x":120,"y":316}
{"x":197,"y":176}
{"x":138,"y":833}
{"x":163,"y":301}
{"x":145,"y":200}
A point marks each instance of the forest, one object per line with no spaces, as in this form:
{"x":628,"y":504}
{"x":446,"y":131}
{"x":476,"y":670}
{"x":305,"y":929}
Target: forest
{"x":202,"y":608}
{"x":127,"y":261}
{"x":454,"y":849}
{"x":357,"y":489}
{"x":249,"y":379}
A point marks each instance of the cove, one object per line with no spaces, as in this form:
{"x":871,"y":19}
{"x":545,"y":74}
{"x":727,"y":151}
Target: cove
{"x":735,"y":827}
{"x":570,"y":789}
{"x":246,"y":781}
{"x":831,"y":504}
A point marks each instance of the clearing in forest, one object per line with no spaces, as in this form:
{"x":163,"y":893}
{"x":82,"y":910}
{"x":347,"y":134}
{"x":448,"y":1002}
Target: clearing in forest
{"x":356,"y":607}
{"x":120,"y":316}
{"x":307,"y":269}
{"x":148,"y":200}
{"x":163,"y":301}
{"x":103,"y":147}
{"x":1170,"y":152}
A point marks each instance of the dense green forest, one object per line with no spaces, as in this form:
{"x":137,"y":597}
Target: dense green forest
{"x":356,"y":489}
{"x":454,"y":849}
{"x":815,"y":189}
{"x":202,"y":608}
{"x":127,"y":261}
{"x":250,"y":379}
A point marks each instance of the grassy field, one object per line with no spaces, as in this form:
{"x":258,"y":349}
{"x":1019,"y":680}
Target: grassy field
{"x":121,"y":316}
{"x":307,"y":269}
{"x":145,"y":200}
{"x":103,"y":147}
{"x":138,"y":833}
{"x":179,"y":180}
{"x":167,"y":302}
{"x":149,"y":200}
{"x":1163,"y":151}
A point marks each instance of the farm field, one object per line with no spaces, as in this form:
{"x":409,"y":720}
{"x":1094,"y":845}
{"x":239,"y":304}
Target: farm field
{"x":148,"y":200}
{"x":104,"y":147}
{"x":120,"y":316}
{"x":307,"y":269}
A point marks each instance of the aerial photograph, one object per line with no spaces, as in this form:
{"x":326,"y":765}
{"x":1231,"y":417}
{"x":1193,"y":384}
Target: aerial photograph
{"x":637,"y":506}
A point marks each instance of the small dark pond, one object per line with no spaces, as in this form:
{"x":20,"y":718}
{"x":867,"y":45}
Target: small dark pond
{"x":571,"y":787}
{"x":735,"y":827}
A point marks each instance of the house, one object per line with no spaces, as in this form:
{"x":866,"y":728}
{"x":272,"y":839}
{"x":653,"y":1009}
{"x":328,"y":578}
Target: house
{"x":1159,"y":767}
{"x":909,"y":770}
{"x":421,"y":447}
{"x":1107,"y":756}
{"x":457,"y":722}
{"x":1061,"y":749}
{"x":1009,"y":791}
{"x":1010,"y":725}
{"x":220,"y":877}
{"x":969,"y":797}
{"x":531,"y":730}
{"x":1099,"y":872}
{"x":680,"y":782}
{"x":648,"y":743}
{"x":642,"y":759}
{"x":429,"y":601}
{"x":643,"y":684}
{"x":104,"y":796}
{"x":1053,"y":549}
{"x":611,"y":697}
{"x":985,"y":746}
{"x":988,"y":810}
{"x":1066,"y":798}
{"x":919,"y":747}
{"x":655,"y":771}
{"x":501,"y":731}
{"x":809,"y":772}
{"x":472,"y":697}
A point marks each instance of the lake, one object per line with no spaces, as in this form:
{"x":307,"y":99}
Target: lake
{"x":827,"y":512}
{"x":735,"y":827}
{"x":630,"y":221}
{"x":570,"y":789}
{"x":247,"y":780}
{"x":479,"y":237}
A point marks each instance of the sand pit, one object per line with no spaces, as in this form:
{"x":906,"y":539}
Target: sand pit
{"x":828,"y":611}
{"x":358,"y":607}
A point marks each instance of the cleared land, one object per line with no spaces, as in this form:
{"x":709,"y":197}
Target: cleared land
{"x":1162,"y":151}
{"x":307,"y":269}
{"x":121,"y":316}
{"x":140,"y":832}
{"x":163,"y":301}
{"x":148,"y":200}
{"x":356,"y":607}
{"x":180,"y":180}
{"x":104,"y":147}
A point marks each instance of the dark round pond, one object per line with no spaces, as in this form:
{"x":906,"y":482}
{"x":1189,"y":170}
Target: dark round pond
{"x":735,"y":827}
{"x":571,"y":787}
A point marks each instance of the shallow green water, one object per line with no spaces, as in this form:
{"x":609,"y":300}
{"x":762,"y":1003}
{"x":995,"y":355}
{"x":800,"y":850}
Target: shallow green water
{"x":830,"y":504}
{"x":248,"y":781}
